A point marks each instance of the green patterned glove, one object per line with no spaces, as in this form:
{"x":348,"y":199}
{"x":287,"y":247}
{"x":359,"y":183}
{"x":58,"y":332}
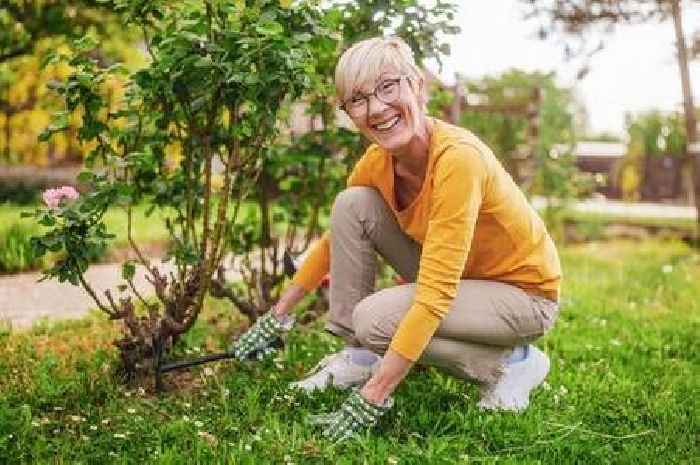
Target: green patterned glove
{"x":262,"y":338}
{"x":356,"y":414}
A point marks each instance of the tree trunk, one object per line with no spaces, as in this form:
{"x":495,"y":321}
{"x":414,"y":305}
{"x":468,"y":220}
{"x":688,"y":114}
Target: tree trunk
{"x":693,"y":151}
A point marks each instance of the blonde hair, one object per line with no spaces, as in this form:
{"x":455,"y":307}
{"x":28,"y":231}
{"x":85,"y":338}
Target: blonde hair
{"x":364,"y":62}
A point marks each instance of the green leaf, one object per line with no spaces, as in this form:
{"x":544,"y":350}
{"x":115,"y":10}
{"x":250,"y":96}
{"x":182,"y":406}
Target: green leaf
{"x":86,"y":177}
{"x":47,"y":220}
{"x":270,"y":28}
{"x":128,"y":270}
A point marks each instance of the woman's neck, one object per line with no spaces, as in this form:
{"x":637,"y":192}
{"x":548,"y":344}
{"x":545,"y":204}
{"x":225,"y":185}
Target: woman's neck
{"x":413,"y":159}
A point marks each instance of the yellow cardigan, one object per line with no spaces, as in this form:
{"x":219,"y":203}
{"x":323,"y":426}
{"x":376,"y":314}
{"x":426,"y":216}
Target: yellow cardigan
{"x":473,"y":223}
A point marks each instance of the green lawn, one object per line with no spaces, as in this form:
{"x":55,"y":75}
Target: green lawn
{"x":623,"y":388}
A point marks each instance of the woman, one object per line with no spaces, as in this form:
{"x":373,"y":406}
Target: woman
{"x":483,"y":274}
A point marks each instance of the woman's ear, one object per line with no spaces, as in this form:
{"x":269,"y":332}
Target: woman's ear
{"x":420,"y":89}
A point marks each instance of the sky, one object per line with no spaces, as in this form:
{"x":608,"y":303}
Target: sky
{"x":636,"y":72}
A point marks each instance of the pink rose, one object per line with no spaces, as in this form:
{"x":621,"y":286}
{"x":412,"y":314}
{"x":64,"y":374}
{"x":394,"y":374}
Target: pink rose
{"x":52,"y":197}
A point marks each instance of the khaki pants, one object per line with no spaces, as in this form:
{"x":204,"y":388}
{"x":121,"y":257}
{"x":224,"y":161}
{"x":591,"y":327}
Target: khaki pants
{"x":486,"y":319}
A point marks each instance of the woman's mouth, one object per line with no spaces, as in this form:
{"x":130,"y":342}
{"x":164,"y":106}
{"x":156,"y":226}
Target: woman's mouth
{"x":387,"y":125}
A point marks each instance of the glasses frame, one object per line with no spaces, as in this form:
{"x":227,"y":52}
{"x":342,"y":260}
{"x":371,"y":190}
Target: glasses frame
{"x":397,"y":80}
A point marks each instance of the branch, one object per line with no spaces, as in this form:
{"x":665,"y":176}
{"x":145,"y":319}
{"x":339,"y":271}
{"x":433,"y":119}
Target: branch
{"x":19,"y":51}
{"x":92,"y":294}
{"x":220,"y":291}
{"x":140,"y":256}
{"x":159,"y":283}
{"x":137,"y":294}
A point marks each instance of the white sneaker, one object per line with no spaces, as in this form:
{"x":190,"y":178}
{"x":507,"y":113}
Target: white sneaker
{"x":336,"y":370}
{"x":512,"y":390}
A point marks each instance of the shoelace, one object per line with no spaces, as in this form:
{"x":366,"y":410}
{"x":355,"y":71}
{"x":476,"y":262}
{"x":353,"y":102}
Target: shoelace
{"x":324,"y":362}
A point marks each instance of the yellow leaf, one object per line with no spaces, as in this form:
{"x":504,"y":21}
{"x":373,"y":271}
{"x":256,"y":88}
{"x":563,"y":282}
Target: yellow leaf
{"x":286,"y":3}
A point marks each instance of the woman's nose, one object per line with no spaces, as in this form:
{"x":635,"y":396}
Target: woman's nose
{"x":374,"y":106}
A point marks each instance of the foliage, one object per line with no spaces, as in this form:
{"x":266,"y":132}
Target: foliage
{"x":505,"y":133}
{"x":212,"y":91}
{"x":621,"y":388}
{"x":576,"y":20}
{"x":76,"y":229}
{"x":656,"y":134}
{"x":27,"y":103}
{"x":421,"y":26}
{"x":20,"y":192}
{"x":24,"y":24}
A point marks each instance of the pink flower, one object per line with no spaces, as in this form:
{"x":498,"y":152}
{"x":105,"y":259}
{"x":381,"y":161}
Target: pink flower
{"x":52,"y":197}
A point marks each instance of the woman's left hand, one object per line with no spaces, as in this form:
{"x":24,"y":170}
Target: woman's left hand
{"x":363,"y":409}
{"x":356,"y":414}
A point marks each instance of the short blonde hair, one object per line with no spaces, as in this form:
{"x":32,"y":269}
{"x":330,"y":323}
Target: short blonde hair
{"x":363,"y":63}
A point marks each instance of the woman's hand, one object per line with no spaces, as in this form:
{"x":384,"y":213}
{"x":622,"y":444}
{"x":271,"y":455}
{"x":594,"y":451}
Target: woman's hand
{"x":392,"y":370}
{"x":264,"y":337}
{"x":363,"y":409}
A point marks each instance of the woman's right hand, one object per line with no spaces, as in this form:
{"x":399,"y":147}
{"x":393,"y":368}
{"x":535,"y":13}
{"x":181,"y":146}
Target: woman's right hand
{"x":264,"y":337}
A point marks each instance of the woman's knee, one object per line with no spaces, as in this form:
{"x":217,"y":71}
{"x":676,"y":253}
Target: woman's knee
{"x":368,"y":325}
{"x":354,"y":198}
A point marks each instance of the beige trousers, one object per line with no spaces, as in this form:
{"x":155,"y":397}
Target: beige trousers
{"x":486,"y":319}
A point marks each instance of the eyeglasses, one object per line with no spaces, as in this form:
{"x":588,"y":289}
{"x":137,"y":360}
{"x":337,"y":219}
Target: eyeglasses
{"x":387,"y":91}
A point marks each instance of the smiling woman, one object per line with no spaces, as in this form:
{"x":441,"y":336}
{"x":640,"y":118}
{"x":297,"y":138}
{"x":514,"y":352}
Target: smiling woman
{"x":482,"y":274}
{"x":383,"y":69}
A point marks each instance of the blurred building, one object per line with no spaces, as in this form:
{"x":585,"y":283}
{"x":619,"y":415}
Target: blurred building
{"x":604,"y":161}
{"x":661,"y":174}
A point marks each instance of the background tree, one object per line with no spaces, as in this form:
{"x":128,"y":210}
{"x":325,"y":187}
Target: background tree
{"x":23,"y":24}
{"x":576,"y":19}
{"x":28,"y":31}
{"x":506,"y":134}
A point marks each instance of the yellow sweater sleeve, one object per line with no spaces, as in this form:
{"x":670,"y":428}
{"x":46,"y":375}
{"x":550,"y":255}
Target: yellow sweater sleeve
{"x":318,"y":262}
{"x":316,"y":266}
{"x":459,"y":182}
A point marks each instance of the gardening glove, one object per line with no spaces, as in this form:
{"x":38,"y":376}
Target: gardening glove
{"x":355,"y":415}
{"x":261,"y":339}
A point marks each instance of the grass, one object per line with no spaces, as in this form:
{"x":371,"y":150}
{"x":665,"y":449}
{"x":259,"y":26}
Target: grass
{"x":684,"y":225}
{"x":623,"y":388}
{"x":16,"y":252}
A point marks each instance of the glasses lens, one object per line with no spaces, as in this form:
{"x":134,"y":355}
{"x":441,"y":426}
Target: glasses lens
{"x":388,"y":90}
{"x":356,"y":105}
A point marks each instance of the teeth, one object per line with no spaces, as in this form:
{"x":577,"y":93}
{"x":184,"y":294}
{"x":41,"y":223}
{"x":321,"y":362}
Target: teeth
{"x":388,"y":124}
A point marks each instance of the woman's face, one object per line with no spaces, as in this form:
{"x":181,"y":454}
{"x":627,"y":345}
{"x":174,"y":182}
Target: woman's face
{"x":391,"y":117}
